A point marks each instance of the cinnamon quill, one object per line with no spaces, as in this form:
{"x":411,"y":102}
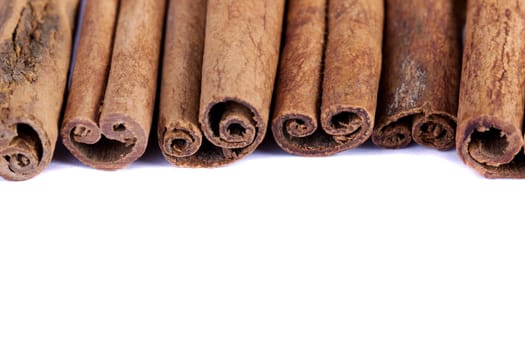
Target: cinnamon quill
{"x":315,"y":116}
{"x":421,"y":73}
{"x":239,"y":64}
{"x":35,"y":48}
{"x":492,"y":95}
{"x":110,"y":107}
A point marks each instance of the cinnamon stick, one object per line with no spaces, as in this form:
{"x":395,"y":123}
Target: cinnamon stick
{"x":421,"y":73}
{"x":241,"y":50}
{"x":35,"y":48}
{"x":179,"y":133}
{"x":109,"y":115}
{"x":491,"y":104}
{"x":314,"y":123}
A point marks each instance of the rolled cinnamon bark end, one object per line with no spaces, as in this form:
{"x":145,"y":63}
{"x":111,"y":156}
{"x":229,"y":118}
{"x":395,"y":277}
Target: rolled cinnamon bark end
{"x":241,"y":53}
{"x":181,"y":141}
{"x":421,"y":73}
{"x":435,"y":130}
{"x":491,"y":105}
{"x":35,"y":49}
{"x":110,"y":108}
{"x":396,"y":133}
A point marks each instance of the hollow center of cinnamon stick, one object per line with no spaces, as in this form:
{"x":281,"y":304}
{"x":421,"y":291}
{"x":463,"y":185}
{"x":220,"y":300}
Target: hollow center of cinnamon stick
{"x":488,"y":146}
{"x":24,"y":151}
{"x":233,"y":123}
{"x":345,"y":123}
{"x":105,"y":150}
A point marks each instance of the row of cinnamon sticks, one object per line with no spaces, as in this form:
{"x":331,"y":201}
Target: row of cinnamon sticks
{"x":323,"y":75}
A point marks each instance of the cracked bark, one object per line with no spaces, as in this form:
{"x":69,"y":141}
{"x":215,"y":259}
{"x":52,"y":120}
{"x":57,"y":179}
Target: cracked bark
{"x":311,"y":121}
{"x":240,"y":57}
{"x":35,"y":48}
{"x":110,"y":107}
{"x":421,"y":73}
{"x":491,"y":105}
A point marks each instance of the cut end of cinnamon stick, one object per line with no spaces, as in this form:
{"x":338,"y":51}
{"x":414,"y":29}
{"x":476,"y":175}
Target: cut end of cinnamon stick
{"x":394,"y":135}
{"x":117,"y":143}
{"x":435,"y":130}
{"x":231,"y":124}
{"x":180,"y":141}
{"x":492,"y":148}
{"x":489,"y":143}
{"x":340,"y":131}
{"x":297,"y":125}
{"x":21,"y":152}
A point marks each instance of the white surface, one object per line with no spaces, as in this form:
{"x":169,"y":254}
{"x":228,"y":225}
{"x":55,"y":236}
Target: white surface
{"x":370,"y":249}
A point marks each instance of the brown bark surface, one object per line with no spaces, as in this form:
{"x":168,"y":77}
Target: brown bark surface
{"x":491,"y":104}
{"x":179,"y":133}
{"x":241,"y":52}
{"x":35,"y":49}
{"x":311,"y":122}
{"x":421,"y":73}
{"x":108,"y":117}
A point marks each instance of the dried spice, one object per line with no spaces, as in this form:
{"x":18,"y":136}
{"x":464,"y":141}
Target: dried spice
{"x":240,"y":57}
{"x":492,"y":96}
{"x":35,"y":48}
{"x":110,"y":108}
{"x":325,"y":106}
{"x":421,"y":73}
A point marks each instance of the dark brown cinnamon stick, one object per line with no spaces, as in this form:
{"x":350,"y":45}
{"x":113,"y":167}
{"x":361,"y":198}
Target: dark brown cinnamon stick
{"x":35,"y":49}
{"x":241,"y":50}
{"x":421,"y":72}
{"x":304,"y":123}
{"x":491,"y":105}
{"x":108,"y":118}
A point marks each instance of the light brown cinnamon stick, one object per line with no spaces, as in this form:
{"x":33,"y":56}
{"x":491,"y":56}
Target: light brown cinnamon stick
{"x":241,"y":50}
{"x":492,"y":95}
{"x":421,"y":72}
{"x":35,"y":49}
{"x":304,"y":123}
{"x":179,"y":133}
{"x":108,"y":118}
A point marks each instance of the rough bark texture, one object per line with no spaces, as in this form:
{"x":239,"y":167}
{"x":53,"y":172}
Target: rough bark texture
{"x":179,"y":133}
{"x":241,"y":52}
{"x":295,"y":122}
{"x":351,"y":76}
{"x":352,"y":70}
{"x":35,"y":49}
{"x":491,"y":104}
{"x":421,"y":73}
{"x":108,"y":118}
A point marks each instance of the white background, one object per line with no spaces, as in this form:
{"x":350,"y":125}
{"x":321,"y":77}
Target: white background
{"x":370,"y":249}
